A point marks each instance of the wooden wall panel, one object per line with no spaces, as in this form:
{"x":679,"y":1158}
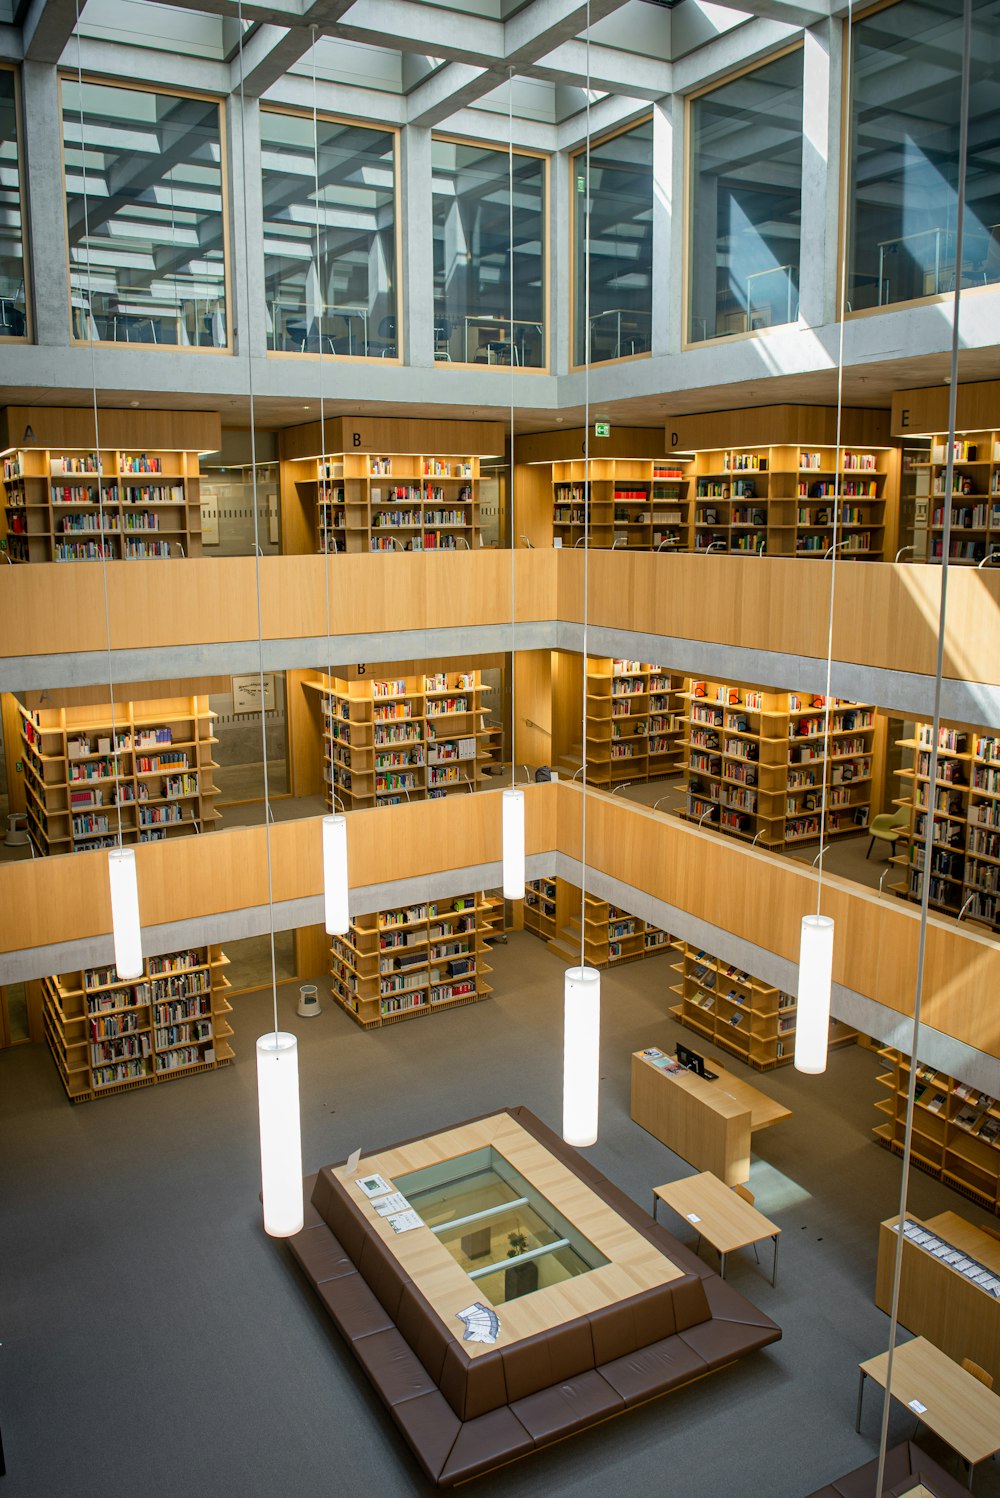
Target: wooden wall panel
{"x":777,"y":426}
{"x":394,"y":434}
{"x":144,"y":429}
{"x":10,"y":726}
{"x":924,"y":412}
{"x":533,"y":707}
{"x":756,"y":896}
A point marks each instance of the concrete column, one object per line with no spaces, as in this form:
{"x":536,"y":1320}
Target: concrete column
{"x":44,"y":223}
{"x":664,"y":214}
{"x":821,"y":158}
{"x":247,"y":310}
{"x":673,"y":273}
{"x":560,"y":236}
{"x":415,"y":277}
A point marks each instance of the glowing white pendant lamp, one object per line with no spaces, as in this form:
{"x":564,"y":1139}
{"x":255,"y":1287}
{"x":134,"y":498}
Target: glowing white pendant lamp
{"x":335,"y":885}
{"x":513,"y":843}
{"x":581,"y":1055}
{"x":812,"y":1019}
{"x":280,"y":1133}
{"x":125,"y":912}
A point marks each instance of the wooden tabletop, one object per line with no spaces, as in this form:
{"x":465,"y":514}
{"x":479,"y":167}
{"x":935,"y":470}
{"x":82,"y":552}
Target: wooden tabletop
{"x":727,"y":1094}
{"x":634,"y":1264}
{"x":725,"y":1219}
{"x":958,"y":1408}
{"x":963,"y":1234}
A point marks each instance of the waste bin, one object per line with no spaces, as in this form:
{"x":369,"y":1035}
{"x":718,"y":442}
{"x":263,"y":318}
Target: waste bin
{"x":308,"y":1000}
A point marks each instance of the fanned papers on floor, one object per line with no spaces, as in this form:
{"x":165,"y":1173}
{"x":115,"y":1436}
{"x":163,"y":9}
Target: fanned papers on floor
{"x":955,"y":1258}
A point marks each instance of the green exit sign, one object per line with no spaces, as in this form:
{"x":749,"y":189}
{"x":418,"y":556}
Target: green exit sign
{"x":602,"y":429}
{"x":581,"y":185}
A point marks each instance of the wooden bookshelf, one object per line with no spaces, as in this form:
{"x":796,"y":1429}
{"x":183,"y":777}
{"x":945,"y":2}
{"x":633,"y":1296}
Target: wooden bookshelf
{"x":965,"y":863}
{"x":780,"y":500}
{"x":611,"y":935}
{"x":956,"y":1128}
{"x":74,"y":504}
{"x":635,"y":721}
{"x":975,"y":497}
{"x":156,"y":769}
{"x":631,"y":504}
{"x":757,"y":759}
{"x":107,"y":1035}
{"x":399,"y":738}
{"x":737,"y":1012}
{"x":360,"y":502}
{"x":399,"y":964}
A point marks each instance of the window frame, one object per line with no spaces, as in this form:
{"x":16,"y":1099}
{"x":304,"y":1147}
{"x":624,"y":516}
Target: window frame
{"x":28,"y":336}
{"x":545,"y":158}
{"x":225,"y":185}
{"x":270,"y":107}
{"x":688,"y":195}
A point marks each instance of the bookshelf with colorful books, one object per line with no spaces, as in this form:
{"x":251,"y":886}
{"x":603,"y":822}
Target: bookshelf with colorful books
{"x":975,"y":498}
{"x":365,"y":501}
{"x":632,"y":504}
{"x":611,"y":935}
{"x":956,"y":1127}
{"x":110,"y":1035}
{"x":757,"y":760}
{"x":856,"y":481}
{"x":965,"y":861}
{"x":737,"y":1012}
{"x":75,"y":504}
{"x":635,"y":725}
{"x":150,"y":764}
{"x":399,"y":964}
{"x":389,"y":739}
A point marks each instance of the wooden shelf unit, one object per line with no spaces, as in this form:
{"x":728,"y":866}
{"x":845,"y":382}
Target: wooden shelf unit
{"x":611,"y":935}
{"x":54,"y":503}
{"x":108,"y":1035}
{"x":782,"y":499}
{"x":392,"y":739}
{"x":632,"y":504}
{"x":756,"y":763}
{"x":966,"y":859}
{"x":957,"y":1153}
{"x":635,"y":727}
{"x":361,"y":501}
{"x":729,"y":1007}
{"x":398,"y":964}
{"x":975,"y":498}
{"x":156,"y":768}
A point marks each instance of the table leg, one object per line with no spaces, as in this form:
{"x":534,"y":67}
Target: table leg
{"x":774,"y":1271}
{"x":654,"y":1206}
{"x":861,"y":1395}
{"x":722,"y":1266}
{"x":971,"y":1469}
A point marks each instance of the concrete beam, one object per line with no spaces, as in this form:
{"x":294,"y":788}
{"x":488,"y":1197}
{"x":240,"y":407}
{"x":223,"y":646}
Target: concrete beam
{"x":451,"y":88}
{"x":47,"y":28}
{"x":271,"y":50}
{"x":611,"y":71}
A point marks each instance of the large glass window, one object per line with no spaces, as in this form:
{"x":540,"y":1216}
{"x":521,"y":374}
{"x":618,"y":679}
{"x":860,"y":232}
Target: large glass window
{"x":13,"y":302}
{"x":344,"y":299}
{"x":746,"y":201}
{"x":475,"y":256}
{"x":906,"y":106}
{"x":621,"y":246}
{"x":144,"y":215}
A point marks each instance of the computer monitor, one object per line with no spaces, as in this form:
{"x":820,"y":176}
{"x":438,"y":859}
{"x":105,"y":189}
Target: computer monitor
{"x":691,"y":1060}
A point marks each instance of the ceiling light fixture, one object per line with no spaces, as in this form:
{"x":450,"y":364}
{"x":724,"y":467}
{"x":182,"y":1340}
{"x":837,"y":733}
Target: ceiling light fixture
{"x":512,"y":800}
{"x":582,"y":985}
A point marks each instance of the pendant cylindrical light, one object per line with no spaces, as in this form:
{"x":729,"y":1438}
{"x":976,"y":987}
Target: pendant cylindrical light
{"x":335,"y":885}
{"x":125,"y":912}
{"x":812,"y":1018}
{"x":513,"y":843}
{"x":280,"y":1133}
{"x":581,"y":1055}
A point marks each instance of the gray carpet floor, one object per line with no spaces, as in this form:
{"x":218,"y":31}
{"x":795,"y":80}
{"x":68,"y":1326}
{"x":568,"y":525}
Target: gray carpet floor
{"x":155,"y":1342}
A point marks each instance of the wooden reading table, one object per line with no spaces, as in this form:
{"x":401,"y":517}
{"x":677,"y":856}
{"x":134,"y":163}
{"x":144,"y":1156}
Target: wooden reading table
{"x":725,"y":1219}
{"x":949,"y":1401}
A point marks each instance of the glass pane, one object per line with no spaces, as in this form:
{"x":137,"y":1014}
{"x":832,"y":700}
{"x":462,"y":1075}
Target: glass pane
{"x":472,"y":256}
{"x":746,"y":200}
{"x":12,"y":292}
{"x":621,"y":246}
{"x":906,"y":106}
{"x":151,"y":219}
{"x":349,"y":299}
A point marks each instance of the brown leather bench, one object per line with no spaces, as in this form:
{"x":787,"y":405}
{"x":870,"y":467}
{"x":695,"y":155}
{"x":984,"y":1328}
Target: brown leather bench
{"x":463,"y":1416}
{"x":905,"y":1466}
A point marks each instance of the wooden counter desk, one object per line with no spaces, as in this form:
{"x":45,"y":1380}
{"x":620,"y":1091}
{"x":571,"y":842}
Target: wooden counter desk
{"x":709,"y":1124}
{"x":935,"y":1300}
